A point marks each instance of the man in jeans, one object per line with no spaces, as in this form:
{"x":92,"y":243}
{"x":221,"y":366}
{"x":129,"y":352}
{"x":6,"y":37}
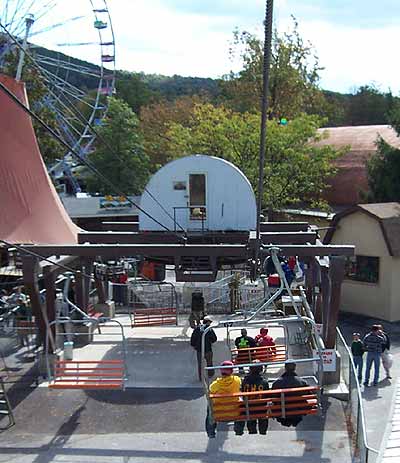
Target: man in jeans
{"x":374,"y":343}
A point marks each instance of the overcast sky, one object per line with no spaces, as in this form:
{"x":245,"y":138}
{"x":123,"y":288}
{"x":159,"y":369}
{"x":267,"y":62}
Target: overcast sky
{"x":356,"y":40}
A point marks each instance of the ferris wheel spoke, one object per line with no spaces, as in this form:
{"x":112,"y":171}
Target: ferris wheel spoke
{"x":55,"y":26}
{"x":76,"y":91}
{"x":67,"y":65}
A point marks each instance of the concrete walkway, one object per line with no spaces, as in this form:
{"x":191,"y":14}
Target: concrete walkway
{"x":160,"y":421}
{"x":378,"y":401}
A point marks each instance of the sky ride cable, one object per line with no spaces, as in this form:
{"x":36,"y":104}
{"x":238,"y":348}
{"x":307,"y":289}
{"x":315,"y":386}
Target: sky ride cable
{"x":77,"y":155}
{"x":74,"y":110}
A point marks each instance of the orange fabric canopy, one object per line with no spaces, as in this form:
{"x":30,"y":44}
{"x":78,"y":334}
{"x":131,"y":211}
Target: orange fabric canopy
{"x":30,"y":209}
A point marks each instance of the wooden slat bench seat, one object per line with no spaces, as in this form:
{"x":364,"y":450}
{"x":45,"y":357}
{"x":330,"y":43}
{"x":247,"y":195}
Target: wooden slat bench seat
{"x":273,"y":403}
{"x":263,"y":354}
{"x":86,"y":374}
{"x":154,"y":317}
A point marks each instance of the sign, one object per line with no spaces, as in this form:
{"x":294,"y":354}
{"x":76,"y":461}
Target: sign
{"x":114,"y":202}
{"x":329,"y":359}
{"x":319,"y":328}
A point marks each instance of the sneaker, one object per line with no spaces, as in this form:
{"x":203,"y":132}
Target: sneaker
{"x":239,"y":433}
{"x":375,"y":384}
{"x":388,"y":377}
{"x":366,"y":384}
{"x":211,"y":436}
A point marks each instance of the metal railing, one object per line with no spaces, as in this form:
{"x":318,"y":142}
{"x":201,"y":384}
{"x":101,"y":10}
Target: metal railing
{"x":354,"y":409}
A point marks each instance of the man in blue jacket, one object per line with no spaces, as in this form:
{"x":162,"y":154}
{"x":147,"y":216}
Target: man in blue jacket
{"x":374,"y":343}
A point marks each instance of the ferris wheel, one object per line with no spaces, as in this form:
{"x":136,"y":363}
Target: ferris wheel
{"x":75,"y":55}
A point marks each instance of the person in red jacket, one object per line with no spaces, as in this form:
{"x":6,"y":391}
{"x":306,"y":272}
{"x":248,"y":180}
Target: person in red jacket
{"x":264,"y":340}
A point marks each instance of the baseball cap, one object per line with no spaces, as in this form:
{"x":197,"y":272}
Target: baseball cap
{"x":227,"y":371}
{"x":207,"y":319}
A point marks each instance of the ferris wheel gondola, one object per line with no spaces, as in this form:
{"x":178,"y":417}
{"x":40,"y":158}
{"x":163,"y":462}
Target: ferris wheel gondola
{"x":78,"y":75}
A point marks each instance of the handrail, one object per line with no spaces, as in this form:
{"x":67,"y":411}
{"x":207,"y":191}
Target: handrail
{"x":361,"y":417}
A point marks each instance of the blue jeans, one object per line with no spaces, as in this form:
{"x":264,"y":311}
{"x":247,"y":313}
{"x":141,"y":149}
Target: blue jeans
{"x":211,"y":427}
{"x":375,"y":358}
{"x":358,"y":362}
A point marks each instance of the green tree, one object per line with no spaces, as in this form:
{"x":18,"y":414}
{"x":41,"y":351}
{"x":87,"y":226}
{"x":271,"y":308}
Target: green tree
{"x":296,"y":168}
{"x":383,"y":169}
{"x":119,"y":152}
{"x":133,"y":90}
{"x":294,"y":75}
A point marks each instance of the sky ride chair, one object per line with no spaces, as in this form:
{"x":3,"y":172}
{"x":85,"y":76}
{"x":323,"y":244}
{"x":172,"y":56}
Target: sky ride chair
{"x":272,"y":403}
{"x":66,"y":373}
{"x":156,"y":308}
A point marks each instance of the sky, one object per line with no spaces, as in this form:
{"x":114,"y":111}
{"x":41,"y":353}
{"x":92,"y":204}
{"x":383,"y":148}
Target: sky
{"x":356,"y":40}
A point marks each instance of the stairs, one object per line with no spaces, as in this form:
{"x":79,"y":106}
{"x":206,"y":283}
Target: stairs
{"x":5,"y":406}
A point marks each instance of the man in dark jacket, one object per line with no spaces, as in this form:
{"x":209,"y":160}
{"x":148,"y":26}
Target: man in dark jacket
{"x":210,"y":338}
{"x":289,"y":379}
{"x":374,"y":343}
{"x":254,"y":381}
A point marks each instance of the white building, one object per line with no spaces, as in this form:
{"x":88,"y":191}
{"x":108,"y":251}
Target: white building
{"x":199,"y":193}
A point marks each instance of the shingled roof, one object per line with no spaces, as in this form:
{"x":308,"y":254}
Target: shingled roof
{"x":351,"y":178}
{"x":388,"y":216}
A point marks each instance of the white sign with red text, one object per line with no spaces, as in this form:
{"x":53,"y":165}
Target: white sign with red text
{"x":329,"y":359}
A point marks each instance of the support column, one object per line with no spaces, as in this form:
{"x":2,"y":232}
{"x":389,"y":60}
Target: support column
{"x":336,"y":276}
{"x":79,"y":301}
{"x":30,"y":270}
{"x":88,"y":266}
{"x":49,"y":284}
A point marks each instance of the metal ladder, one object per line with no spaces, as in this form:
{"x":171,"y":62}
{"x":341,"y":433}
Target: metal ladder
{"x":5,"y":406}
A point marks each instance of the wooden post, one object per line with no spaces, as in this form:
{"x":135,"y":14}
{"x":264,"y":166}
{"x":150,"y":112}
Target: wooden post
{"x":30,"y":270}
{"x":336,"y":276}
{"x":101,"y":293}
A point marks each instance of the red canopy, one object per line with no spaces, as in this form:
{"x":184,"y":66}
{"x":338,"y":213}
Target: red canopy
{"x":30,"y":209}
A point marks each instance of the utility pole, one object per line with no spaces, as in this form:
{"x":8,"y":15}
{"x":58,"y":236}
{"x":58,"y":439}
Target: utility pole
{"x":29,"y":20}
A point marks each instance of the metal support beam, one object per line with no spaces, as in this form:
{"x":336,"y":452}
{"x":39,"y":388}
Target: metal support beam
{"x":336,"y":276}
{"x":173,"y":250}
{"x":50,"y":286}
{"x":79,"y":290}
{"x":30,"y":270}
{"x":284,"y":226}
{"x":88,"y":266}
{"x":268,"y":238}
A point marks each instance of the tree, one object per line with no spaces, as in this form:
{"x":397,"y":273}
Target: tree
{"x":155,"y":120}
{"x":296,"y":169}
{"x":383,"y":169}
{"x":370,"y":106}
{"x":119,"y":152}
{"x":294,"y":75}
{"x":133,"y":90}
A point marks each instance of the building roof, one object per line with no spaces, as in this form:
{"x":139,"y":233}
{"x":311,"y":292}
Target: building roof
{"x":351,"y":179}
{"x":388,"y":216}
{"x":90,"y":207}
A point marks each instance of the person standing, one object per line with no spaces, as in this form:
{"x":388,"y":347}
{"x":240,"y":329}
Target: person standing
{"x":254,"y":381}
{"x":210,"y":339}
{"x":374,"y":343}
{"x":386,"y":356}
{"x":357,"y":351}
{"x":227,"y":383}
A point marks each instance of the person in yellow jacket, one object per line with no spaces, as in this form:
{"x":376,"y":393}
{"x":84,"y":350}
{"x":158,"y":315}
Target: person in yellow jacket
{"x":228,"y":383}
